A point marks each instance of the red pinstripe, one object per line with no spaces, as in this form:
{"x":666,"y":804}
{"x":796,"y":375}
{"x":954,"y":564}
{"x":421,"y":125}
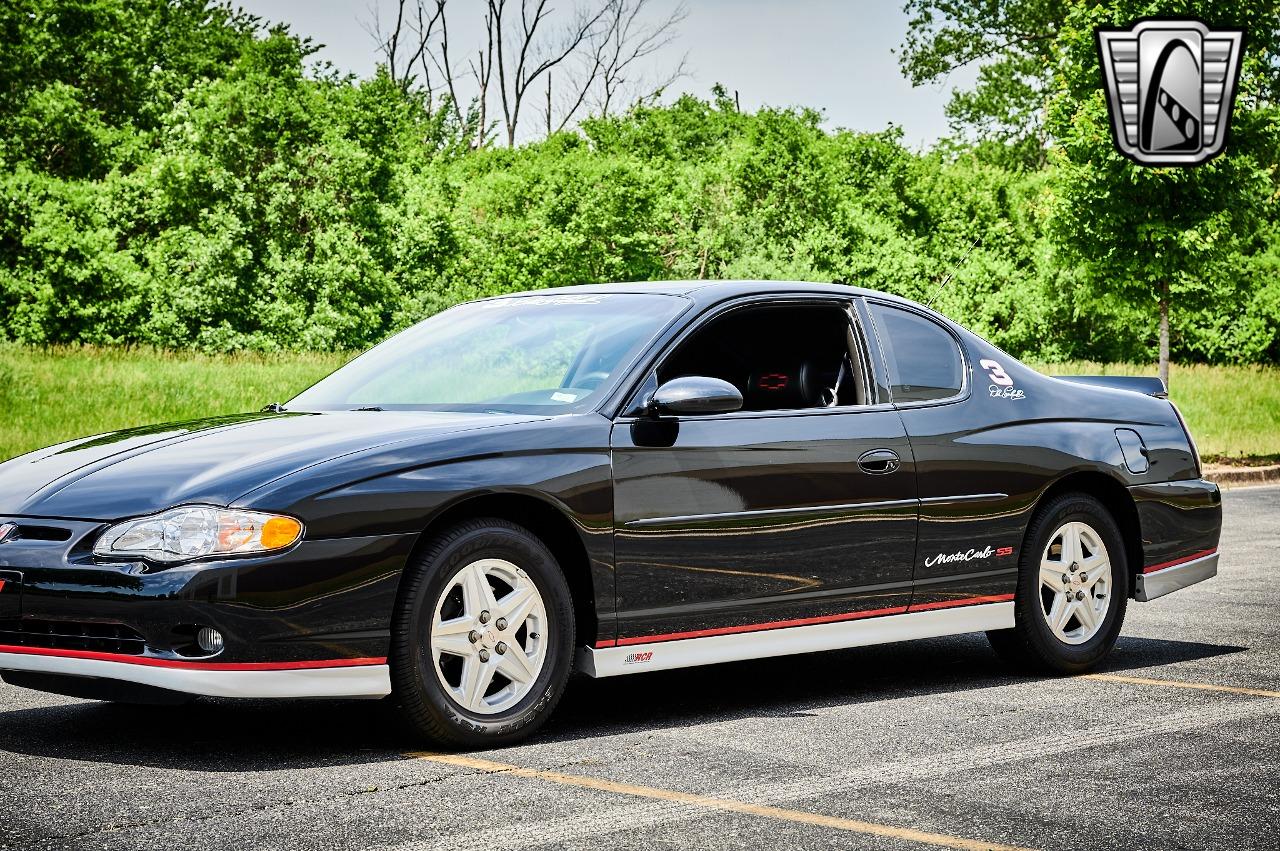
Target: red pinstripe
{"x":192,"y":665}
{"x":762,"y":627}
{"x":967,"y":601}
{"x":1162,"y":565}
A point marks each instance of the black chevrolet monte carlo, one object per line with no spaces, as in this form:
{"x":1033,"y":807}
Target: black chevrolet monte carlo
{"x":616,"y":479}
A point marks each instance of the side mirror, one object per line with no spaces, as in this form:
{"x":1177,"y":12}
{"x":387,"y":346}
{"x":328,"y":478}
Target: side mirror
{"x":696,"y":394}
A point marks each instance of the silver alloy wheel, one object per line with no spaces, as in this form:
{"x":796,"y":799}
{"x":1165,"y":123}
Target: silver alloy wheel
{"x":487,"y":650}
{"x":1075,"y":583}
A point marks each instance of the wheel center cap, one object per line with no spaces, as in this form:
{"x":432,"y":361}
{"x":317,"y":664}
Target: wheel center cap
{"x":488,"y":638}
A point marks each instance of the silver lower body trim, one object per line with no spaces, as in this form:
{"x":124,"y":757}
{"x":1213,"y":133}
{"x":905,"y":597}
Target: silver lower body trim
{"x":1149,"y":586}
{"x":688,"y":652}
{"x":354,"y":681}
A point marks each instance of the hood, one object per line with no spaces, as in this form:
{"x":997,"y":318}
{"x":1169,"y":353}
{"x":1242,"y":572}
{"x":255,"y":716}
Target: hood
{"x":142,"y":470}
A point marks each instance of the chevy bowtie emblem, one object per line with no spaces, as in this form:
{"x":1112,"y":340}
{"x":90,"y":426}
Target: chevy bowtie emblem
{"x":6,"y":530}
{"x":1170,"y":86}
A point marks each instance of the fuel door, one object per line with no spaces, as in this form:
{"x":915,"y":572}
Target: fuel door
{"x":1134,"y":450}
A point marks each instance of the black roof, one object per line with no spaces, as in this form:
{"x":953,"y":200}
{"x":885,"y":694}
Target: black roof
{"x":709,"y":291}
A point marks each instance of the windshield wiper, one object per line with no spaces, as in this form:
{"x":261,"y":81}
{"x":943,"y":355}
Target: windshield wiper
{"x":274,"y":408}
{"x":369,"y":408}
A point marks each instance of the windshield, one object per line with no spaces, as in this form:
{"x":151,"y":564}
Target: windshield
{"x":520,"y":354}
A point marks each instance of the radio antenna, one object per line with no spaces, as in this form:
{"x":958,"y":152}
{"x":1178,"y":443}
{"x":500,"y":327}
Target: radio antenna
{"x":956,"y":268}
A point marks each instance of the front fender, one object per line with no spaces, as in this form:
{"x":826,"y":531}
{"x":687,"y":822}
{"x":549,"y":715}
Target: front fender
{"x":563,"y":462}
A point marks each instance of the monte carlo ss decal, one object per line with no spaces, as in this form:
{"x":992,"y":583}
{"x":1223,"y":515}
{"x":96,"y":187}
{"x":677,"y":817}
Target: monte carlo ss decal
{"x":614,"y":479}
{"x":968,"y":555}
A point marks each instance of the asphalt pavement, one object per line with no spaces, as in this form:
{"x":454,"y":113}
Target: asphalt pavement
{"x":927,"y":744}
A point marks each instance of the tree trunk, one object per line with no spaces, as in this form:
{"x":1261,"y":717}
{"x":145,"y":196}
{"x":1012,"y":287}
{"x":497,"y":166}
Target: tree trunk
{"x":1164,"y":332}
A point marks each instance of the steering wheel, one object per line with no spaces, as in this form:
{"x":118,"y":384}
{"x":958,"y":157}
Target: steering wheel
{"x":591,"y":380}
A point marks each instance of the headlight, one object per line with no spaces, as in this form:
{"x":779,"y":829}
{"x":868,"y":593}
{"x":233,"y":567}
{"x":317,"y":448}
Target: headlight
{"x":194,"y":531}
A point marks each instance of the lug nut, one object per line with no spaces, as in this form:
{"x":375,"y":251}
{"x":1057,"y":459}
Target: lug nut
{"x":1066,"y":580}
{"x":484,"y":616}
{"x":1079,"y":595}
{"x":473,"y":636}
{"x":501,"y":623}
{"x":501,"y":647}
{"x":484,"y":655}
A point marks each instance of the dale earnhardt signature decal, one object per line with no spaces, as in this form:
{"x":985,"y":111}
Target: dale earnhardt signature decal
{"x":1001,"y":386}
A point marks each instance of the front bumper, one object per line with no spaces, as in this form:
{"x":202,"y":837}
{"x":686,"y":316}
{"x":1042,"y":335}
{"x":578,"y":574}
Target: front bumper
{"x":312,"y":621}
{"x":333,"y":678}
{"x":1158,"y":580}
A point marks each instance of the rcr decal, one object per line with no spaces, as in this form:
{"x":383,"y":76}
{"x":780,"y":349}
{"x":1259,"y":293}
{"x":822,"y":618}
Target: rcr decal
{"x":968,"y":555}
{"x":637,"y":658}
{"x":1001,"y":386}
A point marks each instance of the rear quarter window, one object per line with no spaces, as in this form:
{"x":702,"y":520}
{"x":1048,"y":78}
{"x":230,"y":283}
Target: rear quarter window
{"x":923,"y":358}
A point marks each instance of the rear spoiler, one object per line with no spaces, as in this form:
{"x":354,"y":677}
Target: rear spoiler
{"x":1133,"y":383}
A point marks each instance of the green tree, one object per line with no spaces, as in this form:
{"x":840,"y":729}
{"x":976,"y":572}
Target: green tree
{"x":174,"y":173}
{"x":1011,"y":42}
{"x":80,"y":78}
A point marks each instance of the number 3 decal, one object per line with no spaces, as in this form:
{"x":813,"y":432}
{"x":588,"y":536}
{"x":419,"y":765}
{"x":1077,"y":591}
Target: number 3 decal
{"x":998,"y":375}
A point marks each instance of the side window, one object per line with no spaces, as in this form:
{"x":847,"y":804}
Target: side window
{"x":923,"y":359}
{"x":780,"y":357}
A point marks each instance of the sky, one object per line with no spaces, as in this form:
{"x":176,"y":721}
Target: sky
{"x":833,"y":56}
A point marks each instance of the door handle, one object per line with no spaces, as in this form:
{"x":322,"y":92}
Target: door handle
{"x":879,"y":461}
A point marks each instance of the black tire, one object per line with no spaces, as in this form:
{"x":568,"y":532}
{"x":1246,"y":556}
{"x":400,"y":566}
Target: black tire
{"x":416,"y":690}
{"x":1031,"y":644}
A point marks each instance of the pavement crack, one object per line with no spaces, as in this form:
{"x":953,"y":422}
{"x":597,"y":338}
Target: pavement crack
{"x":265,"y":807}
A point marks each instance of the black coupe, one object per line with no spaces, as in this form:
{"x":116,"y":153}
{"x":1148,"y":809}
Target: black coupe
{"x":615,"y":479}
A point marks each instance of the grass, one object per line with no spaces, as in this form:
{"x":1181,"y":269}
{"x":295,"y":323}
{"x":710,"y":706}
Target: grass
{"x":48,"y":395}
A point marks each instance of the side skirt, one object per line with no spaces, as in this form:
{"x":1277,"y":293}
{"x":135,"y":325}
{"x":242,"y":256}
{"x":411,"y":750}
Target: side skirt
{"x":688,"y":652}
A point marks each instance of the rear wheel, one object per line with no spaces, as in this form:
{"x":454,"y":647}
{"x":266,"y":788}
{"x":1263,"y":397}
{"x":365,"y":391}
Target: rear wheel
{"x":483,"y":636}
{"x":1073,"y":589}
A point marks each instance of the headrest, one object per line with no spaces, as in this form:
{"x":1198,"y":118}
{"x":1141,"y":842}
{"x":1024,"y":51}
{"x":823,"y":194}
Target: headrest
{"x":782,"y":386}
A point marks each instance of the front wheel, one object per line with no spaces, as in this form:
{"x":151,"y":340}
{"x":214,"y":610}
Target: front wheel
{"x":483,"y":636}
{"x":1073,"y":589}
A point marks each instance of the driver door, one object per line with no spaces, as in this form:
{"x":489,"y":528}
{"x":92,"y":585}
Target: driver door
{"x":800,"y":508}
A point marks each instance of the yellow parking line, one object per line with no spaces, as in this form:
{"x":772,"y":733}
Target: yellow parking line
{"x":1143,"y":681}
{"x":722,"y":804}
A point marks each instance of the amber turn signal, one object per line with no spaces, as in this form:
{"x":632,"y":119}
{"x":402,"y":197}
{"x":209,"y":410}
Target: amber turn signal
{"x":280,"y":532}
